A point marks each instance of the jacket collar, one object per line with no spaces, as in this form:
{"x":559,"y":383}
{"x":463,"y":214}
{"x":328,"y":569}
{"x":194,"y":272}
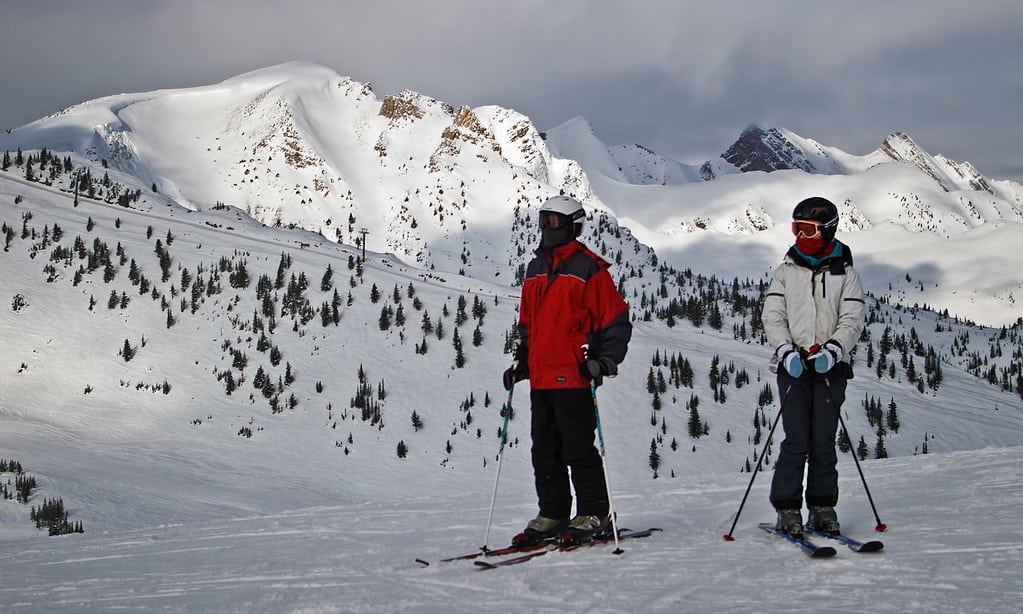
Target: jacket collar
{"x":810,"y":262}
{"x":562,"y":253}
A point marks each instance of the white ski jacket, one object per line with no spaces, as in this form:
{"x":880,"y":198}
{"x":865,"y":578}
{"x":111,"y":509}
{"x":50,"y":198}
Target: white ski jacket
{"x":807,"y":305}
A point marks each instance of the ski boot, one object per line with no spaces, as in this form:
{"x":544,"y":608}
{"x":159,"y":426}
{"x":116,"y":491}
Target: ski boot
{"x":539,"y":529}
{"x":824,"y":519}
{"x":791,"y":522}
{"x":584,"y":528}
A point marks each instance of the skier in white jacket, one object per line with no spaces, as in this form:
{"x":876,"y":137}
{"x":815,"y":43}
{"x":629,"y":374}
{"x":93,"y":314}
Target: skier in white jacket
{"x":813,"y":316}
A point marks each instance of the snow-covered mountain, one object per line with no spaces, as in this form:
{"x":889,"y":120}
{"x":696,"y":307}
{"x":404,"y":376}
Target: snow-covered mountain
{"x":451,"y":188}
{"x":905,"y":213}
{"x":298,"y":145}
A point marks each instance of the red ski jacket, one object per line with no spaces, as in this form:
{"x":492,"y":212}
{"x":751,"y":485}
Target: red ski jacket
{"x":568,"y":300}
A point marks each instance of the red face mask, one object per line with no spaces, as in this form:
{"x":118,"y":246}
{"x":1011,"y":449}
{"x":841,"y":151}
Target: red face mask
{"x":812,"y":247}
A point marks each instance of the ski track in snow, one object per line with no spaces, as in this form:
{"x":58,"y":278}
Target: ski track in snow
{"x":954,"y":544}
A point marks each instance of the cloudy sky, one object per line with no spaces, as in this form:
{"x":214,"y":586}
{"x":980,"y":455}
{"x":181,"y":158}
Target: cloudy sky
{"x":681,"y":77}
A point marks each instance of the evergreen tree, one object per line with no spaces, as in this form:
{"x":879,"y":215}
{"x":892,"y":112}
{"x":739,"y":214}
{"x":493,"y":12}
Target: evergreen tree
{"x":655,"y":458}
{"x":861,"y":449}
{"x":844,"y":443}
{"x":459,"y":355}
{"x":127,"y":351}
{"x":879,"y":449}
{"x":239,"y":278}
{"x":893,"y":417}
{"x":695,"y":425}
{"x":327,"y":281}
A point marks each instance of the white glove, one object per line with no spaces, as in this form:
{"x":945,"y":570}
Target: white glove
{"x":791,"y":361}
{"x":826,"y":357}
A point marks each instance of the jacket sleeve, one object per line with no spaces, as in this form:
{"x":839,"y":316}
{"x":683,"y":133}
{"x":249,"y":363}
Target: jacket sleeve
{"x":527,"y":309}
{"x":851,"y":312}
{"x":611,"y":328}
{"x":774,"y":316}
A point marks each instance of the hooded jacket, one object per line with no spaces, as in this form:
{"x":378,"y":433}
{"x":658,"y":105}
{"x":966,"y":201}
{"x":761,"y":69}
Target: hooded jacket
{"x":569,"y":299}
{"x":811,"y":301}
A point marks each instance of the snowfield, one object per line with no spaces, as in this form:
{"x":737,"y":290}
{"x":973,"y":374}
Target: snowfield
{"x":954,"y":544}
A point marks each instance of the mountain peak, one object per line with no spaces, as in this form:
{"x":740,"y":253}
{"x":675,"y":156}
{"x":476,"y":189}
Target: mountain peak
{"x":949,"y":174}
{"x":766,"y":150}
{"x":287,"y":71}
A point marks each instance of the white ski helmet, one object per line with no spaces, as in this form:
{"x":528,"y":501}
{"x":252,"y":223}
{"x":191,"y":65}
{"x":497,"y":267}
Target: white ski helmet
{"x":568,"y":207}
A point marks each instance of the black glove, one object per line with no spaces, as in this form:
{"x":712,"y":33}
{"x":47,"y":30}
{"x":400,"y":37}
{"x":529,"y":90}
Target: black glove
{"x":596,"y":369}
{"x":515,"y":373}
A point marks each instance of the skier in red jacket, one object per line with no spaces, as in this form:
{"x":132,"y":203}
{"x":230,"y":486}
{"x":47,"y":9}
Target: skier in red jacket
{"x":573,"y":329}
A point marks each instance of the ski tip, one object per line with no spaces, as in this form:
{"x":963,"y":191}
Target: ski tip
{"x":881,"y":527}
{"x":728,"y":538}
{"x":823,"y":552}
{"x":423,"y":563}
{"x":484,"y":565}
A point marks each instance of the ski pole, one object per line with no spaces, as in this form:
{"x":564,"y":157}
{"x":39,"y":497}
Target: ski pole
{"x":603,"y":458}
{"x":603,"y":462}
{"x":728,"y":536}
{"x":507,"y":410}
{"x":880,"y":527}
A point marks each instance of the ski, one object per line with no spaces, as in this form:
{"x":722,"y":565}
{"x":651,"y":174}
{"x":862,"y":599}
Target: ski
{"x":623,"y":534}
{"x":488,"y":552}
{"x":515,"y":560}
{"x":811,"y":549}
{"x":855,"y":545}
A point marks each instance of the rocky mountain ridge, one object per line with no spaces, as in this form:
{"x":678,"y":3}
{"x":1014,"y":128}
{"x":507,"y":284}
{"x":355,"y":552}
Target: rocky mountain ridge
{"x":452,"y":188}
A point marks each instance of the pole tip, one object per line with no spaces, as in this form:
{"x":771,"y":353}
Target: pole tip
{"x":618,"y":551}
{"x":881,"y":527}
{"x":729,"y":538}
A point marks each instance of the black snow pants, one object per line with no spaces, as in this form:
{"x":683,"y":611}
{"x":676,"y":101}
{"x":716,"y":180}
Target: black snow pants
{"x":810,"y":419}
{"x":562,"y":430}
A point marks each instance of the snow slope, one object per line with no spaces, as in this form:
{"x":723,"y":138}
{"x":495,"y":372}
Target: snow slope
{"x":954,"y":544}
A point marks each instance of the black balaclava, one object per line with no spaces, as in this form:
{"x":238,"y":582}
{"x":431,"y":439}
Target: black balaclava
{"x":553,"y":237}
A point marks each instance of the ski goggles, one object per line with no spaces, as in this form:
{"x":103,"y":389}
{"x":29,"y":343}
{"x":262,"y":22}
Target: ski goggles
{"x":811,"y":229}
{"x":553,"y":219}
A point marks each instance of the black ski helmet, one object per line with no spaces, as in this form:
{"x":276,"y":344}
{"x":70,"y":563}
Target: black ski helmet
{"x":818,"y":209}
